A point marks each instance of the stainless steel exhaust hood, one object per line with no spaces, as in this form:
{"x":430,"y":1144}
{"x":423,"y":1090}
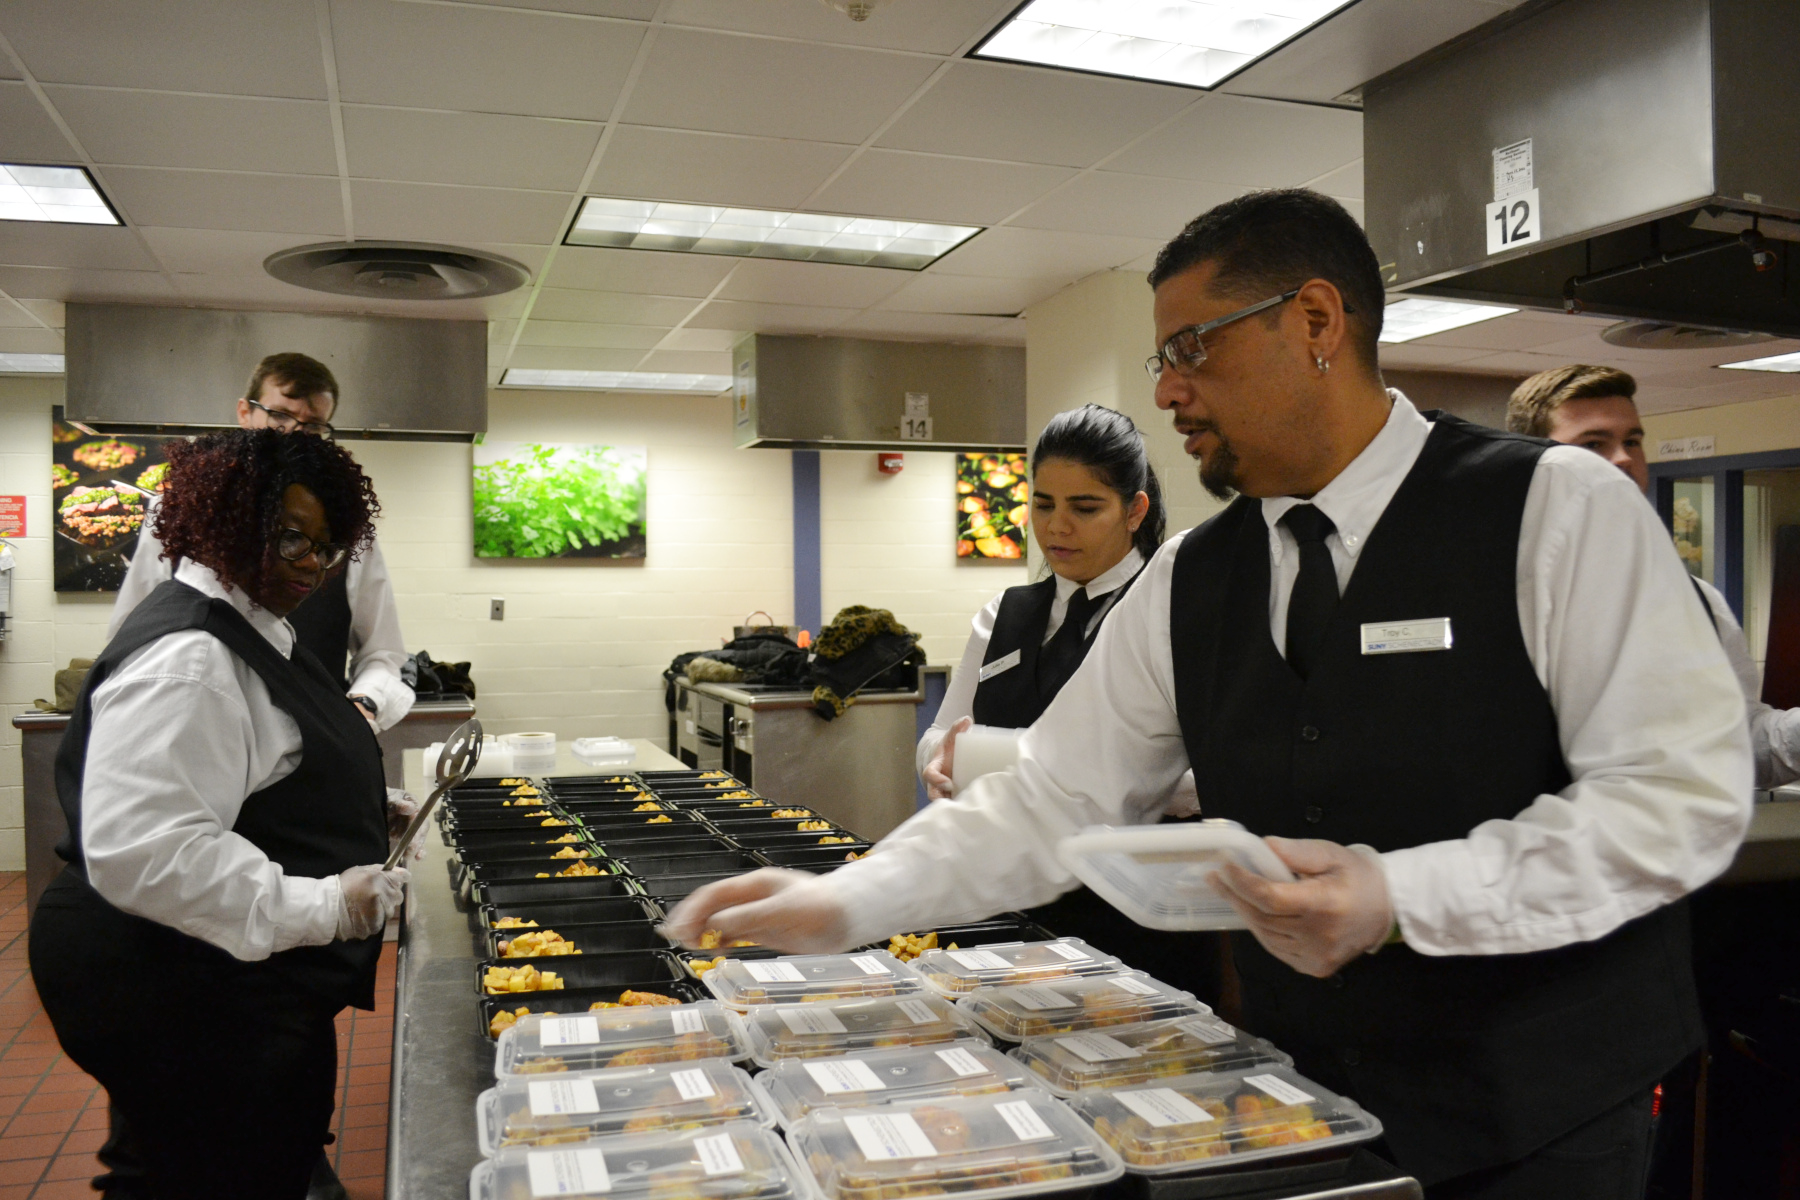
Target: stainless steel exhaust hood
{"x":1638,"y":158}
{"x":827,"y":393}
{"x":137,"y":367}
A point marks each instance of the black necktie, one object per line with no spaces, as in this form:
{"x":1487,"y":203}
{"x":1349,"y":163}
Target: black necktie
{"x":1062,"y":654}
{"x":1315,"y":595}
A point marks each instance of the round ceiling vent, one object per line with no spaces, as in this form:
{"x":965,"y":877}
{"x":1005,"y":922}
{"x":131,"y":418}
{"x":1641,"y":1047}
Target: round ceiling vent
{"x":1661,"y":335}
{"x":396,"y":270}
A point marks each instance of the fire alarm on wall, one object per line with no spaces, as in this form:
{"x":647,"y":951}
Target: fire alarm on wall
{"x":890,"y":464}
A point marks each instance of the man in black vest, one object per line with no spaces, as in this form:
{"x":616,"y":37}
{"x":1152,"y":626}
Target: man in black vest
{"x":1492,"y":828}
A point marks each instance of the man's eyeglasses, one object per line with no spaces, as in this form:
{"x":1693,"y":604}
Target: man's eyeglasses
{"x":1184,"y":351}
{"x":294,"y":546}
{"x":287,"y":422}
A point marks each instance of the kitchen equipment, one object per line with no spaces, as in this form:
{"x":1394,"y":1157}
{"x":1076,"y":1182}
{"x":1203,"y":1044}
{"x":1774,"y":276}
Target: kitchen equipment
{"x":454,"y":762}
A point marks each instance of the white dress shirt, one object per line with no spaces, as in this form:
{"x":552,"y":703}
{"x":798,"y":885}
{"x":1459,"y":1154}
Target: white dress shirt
{"x":377,"y":650}
{"x":1650,"y":719}
{"x":181,"y":733}
{"x":1774,"y":732}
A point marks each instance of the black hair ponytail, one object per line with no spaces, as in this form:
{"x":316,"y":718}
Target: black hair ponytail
{"x":1107,"y":443}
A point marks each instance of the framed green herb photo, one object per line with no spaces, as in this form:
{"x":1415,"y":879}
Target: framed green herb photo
{"x":536,"y":500}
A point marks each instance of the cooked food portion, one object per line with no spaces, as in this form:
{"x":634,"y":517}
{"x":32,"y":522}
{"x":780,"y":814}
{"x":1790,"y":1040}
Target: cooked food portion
{"x":833,"y":841}
{"x":665,"y":819}
{"x":648,"y":806}
{"x":700,"y":966}
{"x":514,"y":923}
{"x":575,"y":868}
{"x":101,"y":514}
{"x":153,"y":479}
{"x":908,"y":946}
{"x":524,"y":789}
{"x":712,"y":939}
{"x":504,"y":1019}
{"x":556,"y":822}
{"x":570,"y":852}
{"x":599,"y":1103}
{"x":541,"y":944}
{"x":751,"y":799}
{"x":61,"y":476}
{"x":791,"y":812}
{"x":811,"y":978}
{"x":665,"y":1165}
{"x":1006,"y":963}
{"x":810,"y":826}
{"x":567,"y":837}
{"x":498,"y":981}
{"x":1121,"y":1056}
{"x":107,"y":455}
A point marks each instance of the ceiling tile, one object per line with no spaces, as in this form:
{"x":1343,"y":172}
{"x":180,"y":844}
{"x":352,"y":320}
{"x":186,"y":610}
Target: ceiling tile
{"x":1026,"y":114}
{"x":1401,"y":355}
{"x":671,"y":164}
{"x":1250,"y":143}
{"x":224,"y":251}
{"x":27,"y":134}
{"x":604,"y":337}
{"x":266,"y":48}
{"x":927,"y":26}
{"x":1345,"y":183}
{"x":688,"y":362}
{"x":217,"y":200}
{"x":422,"y":212}
{"x":927,"y":326}
{"x":934,"y":293}
{"x":50,"y":312}
{"x":574,"y":358}
{"x":700,"y":339}
{"x":591,"y":268}
{"x":480,"y":149}
{"x":1516,"y":331}
{"x":50,"y":283}
{"x":1126,"y":205}
{"x":1518,"y":362}
{"x":933,"y":187}
{"x":1008,"y":253}
{"x":636,"y":10}
{"x":225,"y":133}
{"x":505,"y":61}
{"x":108,"y":247}
{"x":557,"y":304}
{"x":16,"y":339}
{"x":769,"y":318}
{"x":771,"y":88}
{"x":261,"y":291}
{"x":14,"y":316}
{"x":821,"y":284}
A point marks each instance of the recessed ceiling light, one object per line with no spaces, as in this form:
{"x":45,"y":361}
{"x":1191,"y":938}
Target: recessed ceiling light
{"x":62,"y":194}
{"x":1195,"y":43}
{"x":761,"y":233}
{"x":615,"y":381}
{"x":1416,"y":318}
{"x":31,"y":364}
{"x":1786,"y":364}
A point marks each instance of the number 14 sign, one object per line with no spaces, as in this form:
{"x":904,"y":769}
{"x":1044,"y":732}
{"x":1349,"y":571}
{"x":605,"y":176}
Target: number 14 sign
{"x":1513,"y":221}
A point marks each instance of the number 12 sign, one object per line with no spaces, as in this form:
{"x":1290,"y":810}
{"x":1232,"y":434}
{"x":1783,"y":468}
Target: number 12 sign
{"x":1514,"y":221}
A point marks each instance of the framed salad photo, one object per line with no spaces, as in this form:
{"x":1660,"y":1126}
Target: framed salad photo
{"x":538,"y":500}
{"x":100,"y":486}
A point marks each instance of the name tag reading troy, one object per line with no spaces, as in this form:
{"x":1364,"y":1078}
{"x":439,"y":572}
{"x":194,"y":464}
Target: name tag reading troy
{"x":1406,"y":637}
{"x":1005,"y":662}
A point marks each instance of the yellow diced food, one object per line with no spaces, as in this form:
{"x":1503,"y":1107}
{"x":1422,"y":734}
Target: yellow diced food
{"x":648,"y":806}
{"x":499,"y":981}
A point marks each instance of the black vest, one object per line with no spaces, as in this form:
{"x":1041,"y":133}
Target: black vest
{"x":325,"y":817}
{"x":322,"y":625}
{"x":1470,"y":1061}
{"x":1014,"y":698}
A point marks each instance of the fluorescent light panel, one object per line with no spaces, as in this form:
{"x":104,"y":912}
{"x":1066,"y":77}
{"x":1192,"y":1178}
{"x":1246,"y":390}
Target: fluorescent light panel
{"x":31,"y":364}
{"x":615,"y":381}
{"x":60,"y":194}
{"x":761,"y":233}
{"x":1195,"y":43}
{"x":1416,"y":318}
{"x":1786,"y":364}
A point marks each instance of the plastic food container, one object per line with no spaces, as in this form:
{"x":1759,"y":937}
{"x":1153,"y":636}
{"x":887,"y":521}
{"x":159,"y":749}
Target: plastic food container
{"x":580,"y":1106}
{"x":736,"y":1161}
{"x":807,"y":978}
{"x":620,"y":1037}
{"x":575,"y":1002}
{"x":1003,"y":964}
{"x":1132,"y":1054}
{"x":1018,"y":1144}
{"x":1158,"y":874}
{"x":964,"y":1068}
{"x":834,"y":1027}
{"x":1072,"y":1005}
{"x":1223,"y":1119}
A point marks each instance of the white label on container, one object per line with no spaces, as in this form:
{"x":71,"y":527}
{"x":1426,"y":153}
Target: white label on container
{"x":889,"y":1137}
{"x":563,"y":1097}
{"x":718,"y":1156}
{"x":1097,"y":1047}
{"x":868,"y":964}
{"x":569,"y":1031}
{"x":693,"y":1085}
{"x":1279,"y":1088}
{"x":774,"y":972}
{"x":837,"y":1076}
{"x":917,"y":1011}
{"x":1163,"y":1107}
{"x":1024,"y":1121}
{"x":979,"y":960}
{"x":962,"y":1062}
{"x":802,"y":1019}
{"x":1037,"y":999}
{"x":567,"y":1172}
{"x":1132,"y":984}
{"x":1067,"y":952}
{"x":687,"y":1021}
{"x":1210,"y":1030}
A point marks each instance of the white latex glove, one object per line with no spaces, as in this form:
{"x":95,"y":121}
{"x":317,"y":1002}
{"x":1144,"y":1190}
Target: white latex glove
{"x":401,"y":809}
{"x":1337,"y":909}
{"x":371,"y":896}
{"x":794,"y":911}
{"x":938,"y":772}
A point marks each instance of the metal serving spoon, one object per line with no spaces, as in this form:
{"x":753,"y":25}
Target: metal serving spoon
{"x":460,"y":754}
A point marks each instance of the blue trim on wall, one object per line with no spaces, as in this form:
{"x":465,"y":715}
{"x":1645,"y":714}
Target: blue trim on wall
{"x":808,"y":600}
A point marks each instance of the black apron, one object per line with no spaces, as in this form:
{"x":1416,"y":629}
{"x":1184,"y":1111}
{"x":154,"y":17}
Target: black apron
{"x":1469,"y":1061}
{"x":322,"y":625}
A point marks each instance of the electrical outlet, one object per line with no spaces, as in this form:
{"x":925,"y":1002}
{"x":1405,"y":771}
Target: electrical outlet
{"x":496,"y":609}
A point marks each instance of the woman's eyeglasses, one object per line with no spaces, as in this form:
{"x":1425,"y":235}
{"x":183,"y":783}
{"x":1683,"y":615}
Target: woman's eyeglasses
{"x":287,"y":422}
{"x":294,"y":546}
{"x":1184,"y":351}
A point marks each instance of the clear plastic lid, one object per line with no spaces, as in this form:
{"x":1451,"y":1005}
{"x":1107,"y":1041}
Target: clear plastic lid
{"x":962,"y":1068}
{"x":834,"y":1027}
{"x":804,"y":978}
{"x":1071,"y":1005}
{"x":1222,"y":1119}
{"x":1071,"y":1062}
{"x":1158,"y":875}
{"x":582,"y":1105}
{"x":1001,"y":964}
{"x":1017,"y":1144}
{"x":736,"y":1161}
{"x":541,"y":1044}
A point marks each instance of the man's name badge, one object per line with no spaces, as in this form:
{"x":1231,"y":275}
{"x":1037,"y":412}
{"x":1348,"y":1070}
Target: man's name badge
{"x":1406,"y":637}
{"x":1004,"y":663}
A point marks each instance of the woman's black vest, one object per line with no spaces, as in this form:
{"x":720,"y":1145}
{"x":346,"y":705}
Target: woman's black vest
{"x":1016,"y":697}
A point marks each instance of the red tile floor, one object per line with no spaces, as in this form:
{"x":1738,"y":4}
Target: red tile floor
{"x":55,"y":1115}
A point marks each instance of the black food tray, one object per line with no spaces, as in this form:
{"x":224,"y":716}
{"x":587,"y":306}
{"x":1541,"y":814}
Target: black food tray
{"x":655,"y":777}
{"x":827,"y":858}
{"x":790,"y":841}
{"x":518,"y":825}
{"x":639,"y":824}
{"x":668,"y":889}
{"x":613,"y":937}
{"x":570,"y":1001}
{"x":531,"y":891}
{"x":599,"y":780}
{"x":525,"y":870}
{"x":594,"y":970}
{"x":706,"y":842}
{"x":488,"y":845}
{"x":983,"y":933}
{"x":549,"y":913}
{"x":645,"y":866}
{"x":774,"y":825}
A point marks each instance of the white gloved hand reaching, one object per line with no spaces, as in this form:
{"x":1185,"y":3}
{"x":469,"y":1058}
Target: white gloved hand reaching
{"x":371,"y":896}
{"x":940,"y":772}
{"x":795,"y":911}
{"x":401,"y":809}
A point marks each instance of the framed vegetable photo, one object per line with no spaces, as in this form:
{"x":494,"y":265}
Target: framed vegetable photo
{"x":993,"y":504}
{"x":538,"y":500}
{"x":99,"y":485}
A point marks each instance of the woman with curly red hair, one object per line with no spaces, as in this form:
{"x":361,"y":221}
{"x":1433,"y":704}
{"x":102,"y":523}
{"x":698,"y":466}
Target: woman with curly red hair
{"x":224,"y":897}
